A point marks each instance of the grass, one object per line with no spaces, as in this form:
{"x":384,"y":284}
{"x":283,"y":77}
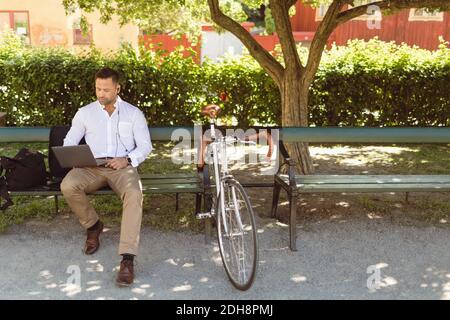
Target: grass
{"x":394,"y":159}
{"x":437,"y":211}
{"x":431,"y":210}
{"x":427,"y":159}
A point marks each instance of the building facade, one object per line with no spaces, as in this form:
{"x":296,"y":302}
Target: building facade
{"x":45,"y":23}
{"x":411,"y":26}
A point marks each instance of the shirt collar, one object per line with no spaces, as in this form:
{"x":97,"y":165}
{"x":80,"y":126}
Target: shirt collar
{"x":116,"y":104}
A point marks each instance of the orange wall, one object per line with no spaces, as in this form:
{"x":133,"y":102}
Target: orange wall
{"x":50,"y":26}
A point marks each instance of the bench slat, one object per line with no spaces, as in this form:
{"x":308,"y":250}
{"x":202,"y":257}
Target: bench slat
{"x":370,"y":183}
{"x":171,"y":187}
{"x":170,"y":181}
{"x":369,"y":179}
{"x":36,"y":193}
{"x":186,"y":188}
{"x":376,"y":179}
{"x":442,"y":187}
{"x":169,"y":176}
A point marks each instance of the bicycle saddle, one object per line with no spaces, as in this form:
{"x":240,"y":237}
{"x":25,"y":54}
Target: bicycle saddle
{"x":211,"y":110}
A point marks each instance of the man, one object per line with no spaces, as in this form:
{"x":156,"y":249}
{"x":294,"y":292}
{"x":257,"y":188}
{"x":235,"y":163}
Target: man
{"x":117,"y":132}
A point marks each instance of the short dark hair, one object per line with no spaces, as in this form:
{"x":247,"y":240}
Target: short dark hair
{"x":105,"y":73}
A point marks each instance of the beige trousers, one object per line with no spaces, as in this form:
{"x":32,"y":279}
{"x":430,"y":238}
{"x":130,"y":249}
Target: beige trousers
{"x":126,"y":184}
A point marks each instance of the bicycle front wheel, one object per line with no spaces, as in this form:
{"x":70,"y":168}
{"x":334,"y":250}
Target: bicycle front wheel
{"x":236,"y":229}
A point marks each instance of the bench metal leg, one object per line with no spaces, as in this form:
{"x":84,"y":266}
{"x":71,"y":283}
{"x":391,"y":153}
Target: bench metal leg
{"x":56,"y":205}
{"x":198,"y":202}
{"x":293,"y":221}
{"x":208,"y":231}
{"x":207,"y":203}
{"x":176,"y":201}
{"x":275,"y":199}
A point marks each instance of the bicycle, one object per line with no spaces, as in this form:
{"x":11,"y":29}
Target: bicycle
{"x":232,"y":212}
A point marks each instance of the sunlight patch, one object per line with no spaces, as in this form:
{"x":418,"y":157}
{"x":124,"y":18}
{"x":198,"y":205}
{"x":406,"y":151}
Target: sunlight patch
{"x":186,"y":287}
{"x":298,"y":278}
{"x":373,"y":216}
{"x":343,"y":204}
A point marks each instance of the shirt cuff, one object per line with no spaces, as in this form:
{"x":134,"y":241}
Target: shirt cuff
{"x":134,"y":161}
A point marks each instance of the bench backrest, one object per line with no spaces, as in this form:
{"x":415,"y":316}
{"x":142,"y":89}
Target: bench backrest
{"x":41,"y":134}
{"x":287,"y":134}
{"x":366,"y":134}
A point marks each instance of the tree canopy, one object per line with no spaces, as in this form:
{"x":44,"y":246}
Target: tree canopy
{"x":186,"y":16}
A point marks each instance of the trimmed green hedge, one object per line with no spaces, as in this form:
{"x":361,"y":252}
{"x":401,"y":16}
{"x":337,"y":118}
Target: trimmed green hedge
{"x":382,"y":84}
{"x":366,"y":83}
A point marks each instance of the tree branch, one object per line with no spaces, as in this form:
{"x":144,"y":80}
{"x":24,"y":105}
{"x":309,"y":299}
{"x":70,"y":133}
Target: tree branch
{"x":324,"y":30}
{"x":265,"y":59}
{"x":392,"y":6}
{"x":280,"y":12}
{"x":290,"y":3}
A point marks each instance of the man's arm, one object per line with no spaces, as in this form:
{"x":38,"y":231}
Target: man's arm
{"x":76,"y":132}
{"x":142,"y":140}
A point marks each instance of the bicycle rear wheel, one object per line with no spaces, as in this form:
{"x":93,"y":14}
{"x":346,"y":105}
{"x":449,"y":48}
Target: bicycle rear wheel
{"x":236,"y":229}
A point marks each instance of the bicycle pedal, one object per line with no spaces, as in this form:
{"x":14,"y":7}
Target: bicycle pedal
{"x":203,"y":215}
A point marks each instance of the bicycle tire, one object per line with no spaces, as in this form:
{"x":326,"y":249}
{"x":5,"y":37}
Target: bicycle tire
{"x":240,"y":269}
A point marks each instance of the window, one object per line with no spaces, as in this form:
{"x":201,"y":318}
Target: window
{"x":425,"y":15}
{"x":17,"y":21}
{"x":79,"y":37}
{"x":5,"y":23}
{"x":321,"y":11}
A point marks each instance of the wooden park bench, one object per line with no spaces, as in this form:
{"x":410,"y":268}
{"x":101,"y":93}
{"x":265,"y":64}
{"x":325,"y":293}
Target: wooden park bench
{"x":171,"y":183}
{"x":295,"y":184}
{"x":197,"y":182}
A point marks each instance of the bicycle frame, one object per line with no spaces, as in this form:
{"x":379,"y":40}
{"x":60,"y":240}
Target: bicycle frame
{"x":220,"y":174}
{"x":231,"y":209}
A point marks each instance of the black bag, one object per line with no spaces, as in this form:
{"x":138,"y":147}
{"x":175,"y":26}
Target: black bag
{"x":26,"y":170}
{"x":56,"y":139}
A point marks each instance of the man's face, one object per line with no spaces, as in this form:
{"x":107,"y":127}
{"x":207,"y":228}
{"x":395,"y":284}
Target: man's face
{"x":106,"y":91}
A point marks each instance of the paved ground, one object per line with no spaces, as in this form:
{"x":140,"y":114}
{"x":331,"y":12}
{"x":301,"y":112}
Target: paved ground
{"x":41,"y":260}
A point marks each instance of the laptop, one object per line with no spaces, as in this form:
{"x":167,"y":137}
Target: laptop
{"x":77,"y":157}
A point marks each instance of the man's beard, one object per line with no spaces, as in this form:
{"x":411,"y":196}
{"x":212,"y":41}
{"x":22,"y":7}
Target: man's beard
{"x":106,"y":102}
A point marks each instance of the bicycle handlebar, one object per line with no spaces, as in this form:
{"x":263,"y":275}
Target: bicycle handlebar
{"x":234,"y":139}
{"x":213,"y":110}
{"x":265,"y":134}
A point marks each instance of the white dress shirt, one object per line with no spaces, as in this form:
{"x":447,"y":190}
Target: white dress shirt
{"x":124,"y":133}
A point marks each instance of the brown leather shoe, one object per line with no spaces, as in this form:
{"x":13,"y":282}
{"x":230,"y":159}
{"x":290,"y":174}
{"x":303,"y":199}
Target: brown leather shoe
{"x":125,"y":277}
{"x":93,"y":241}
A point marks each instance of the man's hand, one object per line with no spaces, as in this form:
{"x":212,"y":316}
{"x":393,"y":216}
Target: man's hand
{"x":117,"y":163}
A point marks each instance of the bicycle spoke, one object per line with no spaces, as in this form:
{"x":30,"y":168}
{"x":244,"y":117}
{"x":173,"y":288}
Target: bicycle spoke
{"x":237,"y":235}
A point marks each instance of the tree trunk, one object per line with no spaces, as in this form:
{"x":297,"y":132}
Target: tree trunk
{"x":294,"y":102}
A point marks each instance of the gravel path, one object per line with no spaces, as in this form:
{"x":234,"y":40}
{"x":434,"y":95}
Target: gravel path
{"x":41,"y":261}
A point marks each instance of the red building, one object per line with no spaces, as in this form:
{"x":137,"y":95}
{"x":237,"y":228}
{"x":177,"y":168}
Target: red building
{"x":411,"y":26}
